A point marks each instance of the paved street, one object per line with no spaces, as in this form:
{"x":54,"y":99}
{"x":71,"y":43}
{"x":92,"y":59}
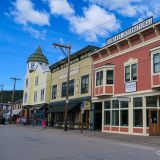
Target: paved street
{"x":50,"y":144}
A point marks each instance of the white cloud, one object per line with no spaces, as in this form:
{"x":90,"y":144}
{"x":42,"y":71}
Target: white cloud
{"x":90,"y":25}
{"x":96,"y":22}
{"x":60,"y":7}
{"x":34,"y":32}
{"x":130,"y":8}
{"x":24,"y":13}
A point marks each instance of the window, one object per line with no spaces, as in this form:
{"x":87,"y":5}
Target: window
{"x":115,"y":104}
{"x":127,"y":73}
{"x":27,"y":83}
{"x":54,"y":92}
{"x":109,"y":78}
{"x":124,"y":117}
{"x":99,"y":78}
{"x":35,"y":96}
{"x":107,"y":117}
{"x":137,"y":102}
{"x":64,"y":89}
{"x":124,"y":104}
{"x":36,"y":81}
{"x":71,"y":88}
{"x":107,"y":104}
{"x":151,"y":101}
{"x":25,"y":97}
{"x":131,"y":73}
{"x":156,"y":63}
{"x":84,"y":84}
{"x":32,"y":65}
{"x":137,"y":118}
{"x":137,"y":112}
{"x":115,"y":117}
{"x":42,"y":94}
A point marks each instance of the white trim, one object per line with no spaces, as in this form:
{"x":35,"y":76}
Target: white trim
{"x":106,"y":47}
{"x":128,"y":50}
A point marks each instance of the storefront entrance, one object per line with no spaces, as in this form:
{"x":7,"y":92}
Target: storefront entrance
{"x":98,"y":116}
{"x":154,"y":122}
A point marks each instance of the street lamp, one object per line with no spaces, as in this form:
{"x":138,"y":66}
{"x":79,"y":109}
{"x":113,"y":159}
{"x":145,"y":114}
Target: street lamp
{"x":63,"y":48}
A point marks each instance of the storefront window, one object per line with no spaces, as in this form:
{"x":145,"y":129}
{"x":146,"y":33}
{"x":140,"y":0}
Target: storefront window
{"x":107,"y":104}
{"x":151,"y":101}
{"x":115,"y":117}
{"x":115,"y":104}
{"x":124,"y":117}
{"x":137,"y":102}
{"x":107,"y":117}
{"x":137,"y":118}
{"x":124,"y":104}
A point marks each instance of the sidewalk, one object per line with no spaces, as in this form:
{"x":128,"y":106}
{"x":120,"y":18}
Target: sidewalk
{"x":152,"y":141}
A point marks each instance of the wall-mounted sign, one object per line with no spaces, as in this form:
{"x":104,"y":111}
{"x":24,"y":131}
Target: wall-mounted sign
{"x":73,"y":71}
{"x":130,"y":87}
{"x":123,"y":99}
{"x":130,"y":31}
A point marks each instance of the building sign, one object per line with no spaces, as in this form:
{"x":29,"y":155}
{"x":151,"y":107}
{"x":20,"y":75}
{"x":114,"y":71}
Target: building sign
{"x":132,"y":30}
{"x":73,"y":71}
{"x":123,"y":99}
{"x":130,"y":87}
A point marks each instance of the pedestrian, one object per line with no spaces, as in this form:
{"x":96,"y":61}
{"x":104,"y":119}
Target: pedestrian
{"x":43,"y":123}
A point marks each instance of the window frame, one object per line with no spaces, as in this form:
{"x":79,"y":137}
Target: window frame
{"x":85,"y":86}
{"x":153,"y":64}
{"x":107,"y":76}
{"x":130,"y":72}
{"x":54,"y":94}
{"x":98,"y":77}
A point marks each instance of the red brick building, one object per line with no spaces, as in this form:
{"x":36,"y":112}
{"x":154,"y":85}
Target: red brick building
{"x":126,"y":81}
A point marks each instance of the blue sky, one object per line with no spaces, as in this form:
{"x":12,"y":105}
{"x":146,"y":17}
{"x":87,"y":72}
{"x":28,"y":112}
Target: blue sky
{"x":27,"y":24}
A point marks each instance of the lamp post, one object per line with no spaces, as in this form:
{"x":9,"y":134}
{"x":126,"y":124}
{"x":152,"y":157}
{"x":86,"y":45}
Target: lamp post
{"x":63,"y":49}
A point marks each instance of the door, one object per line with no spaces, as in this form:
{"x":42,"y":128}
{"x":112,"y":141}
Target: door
{"x":154,"y":122}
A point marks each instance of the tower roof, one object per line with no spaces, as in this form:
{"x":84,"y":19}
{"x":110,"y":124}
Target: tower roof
{"x":38,"y":56}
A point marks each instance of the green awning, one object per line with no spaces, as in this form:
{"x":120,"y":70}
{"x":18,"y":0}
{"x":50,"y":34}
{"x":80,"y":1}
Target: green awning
{"x":61,"y":107}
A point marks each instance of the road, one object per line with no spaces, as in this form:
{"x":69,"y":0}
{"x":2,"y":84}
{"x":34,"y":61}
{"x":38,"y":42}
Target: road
{"x":22,"y":143}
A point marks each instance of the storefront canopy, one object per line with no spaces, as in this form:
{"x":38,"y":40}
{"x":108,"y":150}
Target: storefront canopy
{"x":39,"y":107}
{"x":60,"y":107}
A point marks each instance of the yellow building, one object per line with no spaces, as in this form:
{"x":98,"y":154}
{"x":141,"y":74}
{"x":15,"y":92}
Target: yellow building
{"x":80,"y":89}
{"x":37,"y":86}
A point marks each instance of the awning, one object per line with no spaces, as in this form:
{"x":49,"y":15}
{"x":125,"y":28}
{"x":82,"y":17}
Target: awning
{"x":39,"y":107}
{"x":16,"y":112}
{"x":60,"y":107}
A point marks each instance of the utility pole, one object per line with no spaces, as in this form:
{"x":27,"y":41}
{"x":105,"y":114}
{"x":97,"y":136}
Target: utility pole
{"x":1,"y":93}
{"x":63,"y":48}
{"x":14,"y":87}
